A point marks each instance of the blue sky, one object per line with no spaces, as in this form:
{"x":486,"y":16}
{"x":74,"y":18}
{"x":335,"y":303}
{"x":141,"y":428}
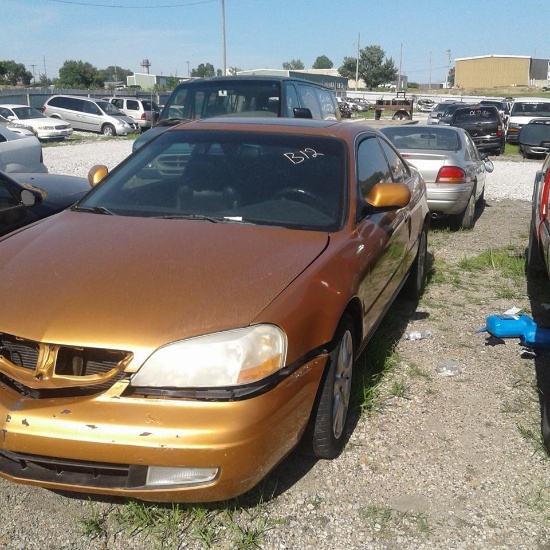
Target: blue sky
{"x":176,"y":34}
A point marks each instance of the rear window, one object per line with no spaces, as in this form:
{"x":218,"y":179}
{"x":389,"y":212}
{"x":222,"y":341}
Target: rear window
{"x":480,"y":114}
{"x":440,"y":138}
{"x":224,"y":98}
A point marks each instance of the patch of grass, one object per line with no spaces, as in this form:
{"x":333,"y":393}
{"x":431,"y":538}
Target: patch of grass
{"x":384,"y":517}
{"x":510,"y":261}
{"x":94,"y":525}
{"x":416,"y":370}
{"x":399,"y":389}
{"x":534,"y":436}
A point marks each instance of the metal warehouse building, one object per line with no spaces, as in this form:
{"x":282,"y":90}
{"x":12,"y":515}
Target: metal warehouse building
{"x":490,"y":71}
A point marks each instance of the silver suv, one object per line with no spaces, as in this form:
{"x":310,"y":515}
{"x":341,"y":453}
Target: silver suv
{"x":145,"y":112}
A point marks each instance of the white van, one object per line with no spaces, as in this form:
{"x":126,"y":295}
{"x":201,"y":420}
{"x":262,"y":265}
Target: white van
{"x":90,"y":115}
{"x":523,"y":111}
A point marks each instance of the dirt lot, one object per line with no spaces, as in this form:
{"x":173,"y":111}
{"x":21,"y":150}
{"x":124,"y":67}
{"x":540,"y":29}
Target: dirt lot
{"x":432,"y":461}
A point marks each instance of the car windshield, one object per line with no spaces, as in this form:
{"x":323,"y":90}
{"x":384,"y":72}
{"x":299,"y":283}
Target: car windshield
{"x":109,"y":108}
{"x":440,"y":138}
{"x":230,"y":177}
{"x":224,"y":98}
{"x":536,"y":109}
{"x":28,"y":112}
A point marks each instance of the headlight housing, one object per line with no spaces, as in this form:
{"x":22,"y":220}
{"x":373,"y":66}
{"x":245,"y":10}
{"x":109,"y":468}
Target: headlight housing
{"x":223,"y":359}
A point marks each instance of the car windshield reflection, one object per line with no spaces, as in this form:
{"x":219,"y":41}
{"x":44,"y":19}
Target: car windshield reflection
{"x":282,"y":180}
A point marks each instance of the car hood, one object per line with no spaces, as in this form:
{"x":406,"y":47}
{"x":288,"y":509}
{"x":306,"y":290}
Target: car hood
{"x":55,"y":188}
{"x":128,"y":283}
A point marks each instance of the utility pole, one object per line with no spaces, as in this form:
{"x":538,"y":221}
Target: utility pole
{"x":223,"y":39}
{"x":357,"y":63}
{"x":448,"y":52}
{"x":188,"y":67}
{"x":430,"y":84}
{"x":33,"y":77}
{"x":45,"y":73}
{"x":399,"y":81}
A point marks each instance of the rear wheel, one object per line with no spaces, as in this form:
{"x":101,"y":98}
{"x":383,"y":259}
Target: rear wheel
{"x":108,"y":130}
{"x":533,"y":258}
{"x":417,"y":277}
{"x":465,"y":220}
{"x":328,"y":423}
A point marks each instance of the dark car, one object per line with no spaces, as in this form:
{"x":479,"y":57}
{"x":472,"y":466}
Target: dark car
{"x":502,"y":106}
{"x":31,"y":197}
{"x":250,"y":96}
{"x":534,"y":138}
{"x":484,"y":124}
{"x":175,"y":334}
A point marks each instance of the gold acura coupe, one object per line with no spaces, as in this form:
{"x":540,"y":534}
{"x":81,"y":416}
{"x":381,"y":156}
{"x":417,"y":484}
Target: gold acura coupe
{"x":177,"y":332}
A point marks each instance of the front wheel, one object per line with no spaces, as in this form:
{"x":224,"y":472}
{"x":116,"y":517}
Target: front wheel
{"x":108,"y":130}
{"x":328,"y":422}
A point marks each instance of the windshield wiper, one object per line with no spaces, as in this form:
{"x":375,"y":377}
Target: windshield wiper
{"x":94,"y":210}
{"x":202,"y":217}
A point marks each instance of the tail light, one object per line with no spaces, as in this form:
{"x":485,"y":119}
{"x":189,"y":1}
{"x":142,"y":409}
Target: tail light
{"x":43,"y":108}
{"x":499,"y":130}
{"x":143,"y":116}
{"x":543,"y":206}
{"x":451,"y":174}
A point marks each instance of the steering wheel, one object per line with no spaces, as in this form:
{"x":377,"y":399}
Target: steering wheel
{"x":300,"y":195}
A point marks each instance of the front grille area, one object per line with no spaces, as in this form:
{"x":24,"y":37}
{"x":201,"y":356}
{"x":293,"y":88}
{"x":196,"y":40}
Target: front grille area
{"x":77,"y":371}
{"x":71,"y":472}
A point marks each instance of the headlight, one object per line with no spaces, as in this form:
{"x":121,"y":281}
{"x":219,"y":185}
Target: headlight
{"x":229,"y":358}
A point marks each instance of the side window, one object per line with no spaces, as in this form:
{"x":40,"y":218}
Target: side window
{"x":91,"y":108}
{"x":308,"y":99}
{"x":118,"y":103}
{"x":5,"y":112}
{"x":471,"y":150}
{"x":290,"y":100}
{"x":78,"y":105}
{"x":7,"y":200}
{"x":399,"y":169}
{"x":372,"y":166}
{"x":131,"y":104}
{"x":327,"y":103}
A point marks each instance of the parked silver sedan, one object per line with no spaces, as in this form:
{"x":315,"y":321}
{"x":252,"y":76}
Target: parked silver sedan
{"x":451,"y":165}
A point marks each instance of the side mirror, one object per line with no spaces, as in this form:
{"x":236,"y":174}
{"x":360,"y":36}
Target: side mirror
{"x":489,"y":166}
{"x":302,"y":112}
{"x":97,"y":173}
{"x":389,"y":196}
{"x":28,"y":198}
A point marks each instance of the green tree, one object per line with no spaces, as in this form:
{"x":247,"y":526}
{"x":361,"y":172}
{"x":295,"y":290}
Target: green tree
{"x":12,"y":74}
{"x":204,"y":70}
{"x":323,"y":62}
{"x":373,"y":68}
{"x":295,"y":64}
{"x":451,"y":77}
{"x":78,"y":74}
{"x":114,"y":73}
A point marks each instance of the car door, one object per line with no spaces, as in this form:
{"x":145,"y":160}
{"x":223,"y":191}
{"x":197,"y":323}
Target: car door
{"x":385,"y":235}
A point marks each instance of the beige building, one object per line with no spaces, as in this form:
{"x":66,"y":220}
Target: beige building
{"x":490,"y":71}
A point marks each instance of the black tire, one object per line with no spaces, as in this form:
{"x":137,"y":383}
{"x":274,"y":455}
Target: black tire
{"x":327,"y":432}
{"x":533,"y":258}
{"x":466,"y":219}
{"x":481,"y":200}
{"x":401,"y":115}
{"x":414,"y":287}
{"x":545,"y":424}
{"x":108,"y":130}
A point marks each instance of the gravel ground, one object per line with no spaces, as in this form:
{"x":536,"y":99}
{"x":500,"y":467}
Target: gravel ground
{"x":441,"y":462}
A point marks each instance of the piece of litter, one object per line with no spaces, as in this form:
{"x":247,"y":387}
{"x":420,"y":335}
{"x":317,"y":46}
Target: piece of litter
{"x":448,"y":367}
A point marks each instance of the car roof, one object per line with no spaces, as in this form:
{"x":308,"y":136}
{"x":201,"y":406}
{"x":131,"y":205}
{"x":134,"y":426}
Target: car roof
{"x":244,"y":78}
{"x":326,"y":128}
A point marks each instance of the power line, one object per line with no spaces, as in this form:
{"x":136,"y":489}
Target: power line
{"x":133,"y":6}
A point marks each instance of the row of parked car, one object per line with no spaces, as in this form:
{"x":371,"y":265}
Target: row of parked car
{"x":492,"y":123}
